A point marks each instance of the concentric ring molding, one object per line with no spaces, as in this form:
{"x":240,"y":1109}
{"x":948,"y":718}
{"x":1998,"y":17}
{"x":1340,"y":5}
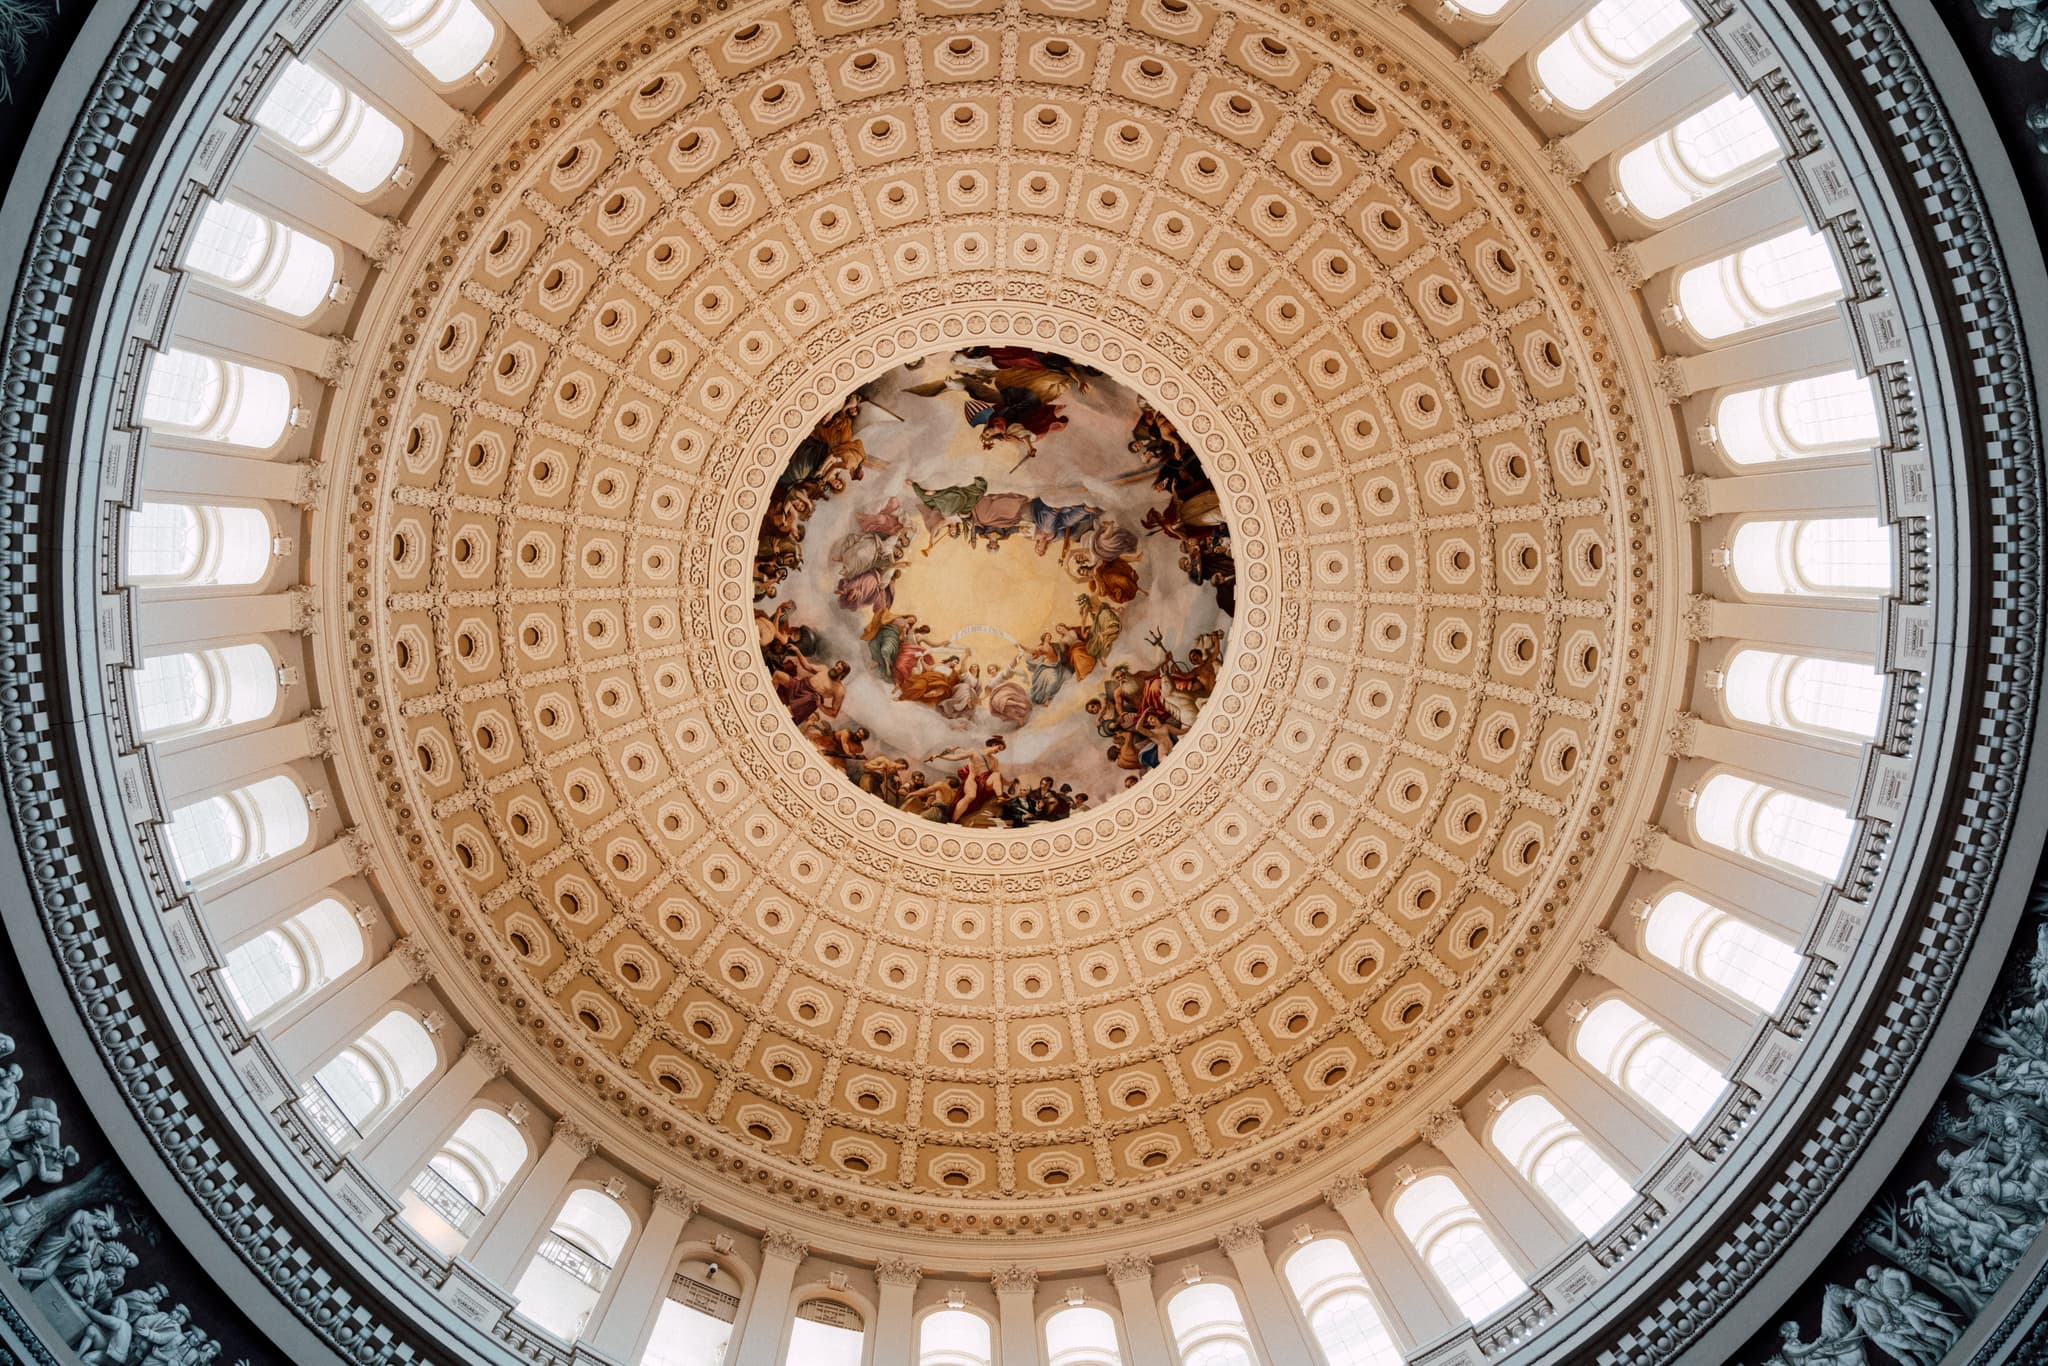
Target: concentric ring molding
{"x":1199,"y":863}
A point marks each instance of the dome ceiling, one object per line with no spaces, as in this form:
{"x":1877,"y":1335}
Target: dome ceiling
{"x":1313,"y":273}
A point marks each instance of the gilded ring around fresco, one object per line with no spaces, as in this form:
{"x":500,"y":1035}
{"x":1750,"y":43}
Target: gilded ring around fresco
{"x":994,"y":586}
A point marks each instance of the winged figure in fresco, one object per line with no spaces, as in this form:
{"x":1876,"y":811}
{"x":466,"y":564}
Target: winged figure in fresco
{"x":1017,"y":401}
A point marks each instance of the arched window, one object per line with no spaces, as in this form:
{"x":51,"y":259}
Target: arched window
{"x":1643,"y":1059}
{"x":695,"y":1323}
{"x":259,"y":258}
{"x":1330,"y":1287}
{"x":1449,"y":1234}
{"x":362,"y":1084}
{"x":1707,"y":943}
{"x":216,"y":400}
{"x":1831,"y":414}
{"x":197,"y":545}
{"x":1208,"y":1327}
{"x":449,"y":38}
{"x":1832,"y":698}
{"x":954,"y":1337}
{"x":826,"y":1333}
{"x":283,"y":966}
{"x":1770,"y":825}
{"x":1727,"y":141}
{"x":332,"y":129}
{"x":220,"y":836}
{"x":449,"y":1196}
{"x":1615,"y":42}
{"x":1081,"y":1335}
{"x":1787,"y":275}
{"x":201,"y":690}
{"x":1548,"y":1149}
{"x":568,"y":1270}
{"x":1813,"y":557}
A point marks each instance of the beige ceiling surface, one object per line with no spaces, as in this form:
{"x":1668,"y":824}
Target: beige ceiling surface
{"x":1341,"y":296}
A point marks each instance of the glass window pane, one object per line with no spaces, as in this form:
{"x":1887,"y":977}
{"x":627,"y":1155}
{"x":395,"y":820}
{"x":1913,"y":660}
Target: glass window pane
{"x":1081,"y":1335}
{"x":263,"y":974}
{"x":1614,"y":43}
{"x":183,"y":390}
{"x":228,"y":243}
{"x":822,"y":1344}
{"x":1727,"y":141}
{"x":686,"y":1337}
{"x":303,"y":107}
{"x":206,"y":839}
{"x":954,"y":1337}
{"x":1673,"y":1079}
{"x":172,"y":692}
{"x":1790,"y":274}
{"x":1581,"y":1183}
{"x":164,"y":542}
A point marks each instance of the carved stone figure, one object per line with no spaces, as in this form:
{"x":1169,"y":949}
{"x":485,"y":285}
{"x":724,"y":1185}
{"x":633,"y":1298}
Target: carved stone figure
{"x":1839,"y":1343}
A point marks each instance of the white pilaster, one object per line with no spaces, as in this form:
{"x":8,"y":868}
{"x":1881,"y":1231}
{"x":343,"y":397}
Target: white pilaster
{"x":1017,"y":1321}
{"x":521,"y":1215}
{"x":398,"y":1154}
{"x":1531,"y":1233}
{"x":254,"y":906}
{"x":220,"y":762}
{"x":1415,"y":1307}
{"x":1631,"y":1135}
{"x":322,"y":1030}
{"x":767,"y":1316}
{"x":621,"y":1328}
{"x":1271,"y":1308}
{"x":1144,"y":1333}
{"x":895,"y":1314}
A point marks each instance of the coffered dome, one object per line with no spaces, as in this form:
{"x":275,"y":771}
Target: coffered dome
{"x":734,"y":684}
{"x":1416,"y":422}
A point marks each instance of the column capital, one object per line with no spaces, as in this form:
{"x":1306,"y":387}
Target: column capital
{"x":899,"y":1271}
{"x":1593,"y":950}
{"x":1344,"y":1190}
{"x":676,"y":1198}
{"x":485,"y":1051}
{"x":355,"y":847}
{"x":1522,"y":1045}
{"x":570,"y":1134}
{"x":1439,"y":1124}
{"x":1015,"y":1280}
{"x":1241,"y":1238}
{"x":413,"y":954}
{"x":1128,"y":1267}
{"x":784,"y":1246}
{"x":1648,"y":843}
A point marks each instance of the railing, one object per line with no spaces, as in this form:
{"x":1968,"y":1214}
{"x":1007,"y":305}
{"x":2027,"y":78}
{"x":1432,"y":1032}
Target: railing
{"x":327,"y":1116}
{"x":584,"y":1266}
{"x":441,"y":1196}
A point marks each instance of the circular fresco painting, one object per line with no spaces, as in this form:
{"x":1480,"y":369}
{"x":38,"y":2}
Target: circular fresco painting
{"x":994,"y":587}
